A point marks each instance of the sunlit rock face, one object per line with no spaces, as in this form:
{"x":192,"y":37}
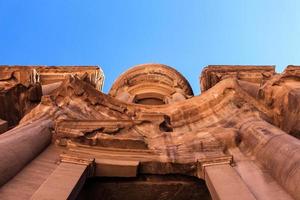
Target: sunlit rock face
{"x":151,"y":138}
{"x":151,"y":84}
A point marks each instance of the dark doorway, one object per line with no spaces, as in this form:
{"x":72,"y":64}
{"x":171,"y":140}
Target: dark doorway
{"x":145,"y":187}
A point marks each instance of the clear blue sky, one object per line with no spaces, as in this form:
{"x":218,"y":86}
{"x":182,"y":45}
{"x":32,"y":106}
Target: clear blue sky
{"x":185,"y":34}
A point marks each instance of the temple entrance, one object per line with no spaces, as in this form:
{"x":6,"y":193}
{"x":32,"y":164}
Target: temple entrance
{"x":145,"y":187}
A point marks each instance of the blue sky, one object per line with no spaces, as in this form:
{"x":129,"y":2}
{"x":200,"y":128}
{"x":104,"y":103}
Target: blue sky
{"x":184,"y":34}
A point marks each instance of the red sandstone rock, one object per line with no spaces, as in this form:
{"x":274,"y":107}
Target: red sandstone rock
{"x":234,"y":136}
{"x":213,"y":74}
{"x":18,"y":100}
{"x":21,"y":87}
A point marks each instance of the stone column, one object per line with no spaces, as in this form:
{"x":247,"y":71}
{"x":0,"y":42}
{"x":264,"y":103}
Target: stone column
{"x":277,"y":151}
{"x":21,"y":145}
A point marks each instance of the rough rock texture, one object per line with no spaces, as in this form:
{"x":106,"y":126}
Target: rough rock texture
{"x":18,"y":100}
{"x":21,"y":87}
{"x":239,"y":125}
{"x":50,"y":74}
{"x":213,"y":74}
{"x":282,"y":95}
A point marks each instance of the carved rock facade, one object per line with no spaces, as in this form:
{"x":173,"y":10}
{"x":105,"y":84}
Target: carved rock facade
{"x":151,"y":138}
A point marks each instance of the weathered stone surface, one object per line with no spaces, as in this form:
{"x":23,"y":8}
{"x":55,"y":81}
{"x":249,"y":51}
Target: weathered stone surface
{"x":18,"y":100}
{"x":213,"y":74}
{"x":282,"y":95}
{"x":21,"y":87}
{"x":240,"y":126}
{"x":45,"y":75}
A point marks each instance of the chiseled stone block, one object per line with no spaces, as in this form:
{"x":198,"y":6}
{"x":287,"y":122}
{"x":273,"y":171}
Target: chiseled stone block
{"x":116,"y":168}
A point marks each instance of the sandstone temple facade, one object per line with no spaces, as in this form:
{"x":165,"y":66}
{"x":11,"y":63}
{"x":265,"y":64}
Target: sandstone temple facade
{"x":149,"y":138}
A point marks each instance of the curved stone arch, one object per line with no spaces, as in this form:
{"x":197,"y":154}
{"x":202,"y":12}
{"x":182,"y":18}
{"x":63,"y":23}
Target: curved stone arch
{"x":151,"y":84}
